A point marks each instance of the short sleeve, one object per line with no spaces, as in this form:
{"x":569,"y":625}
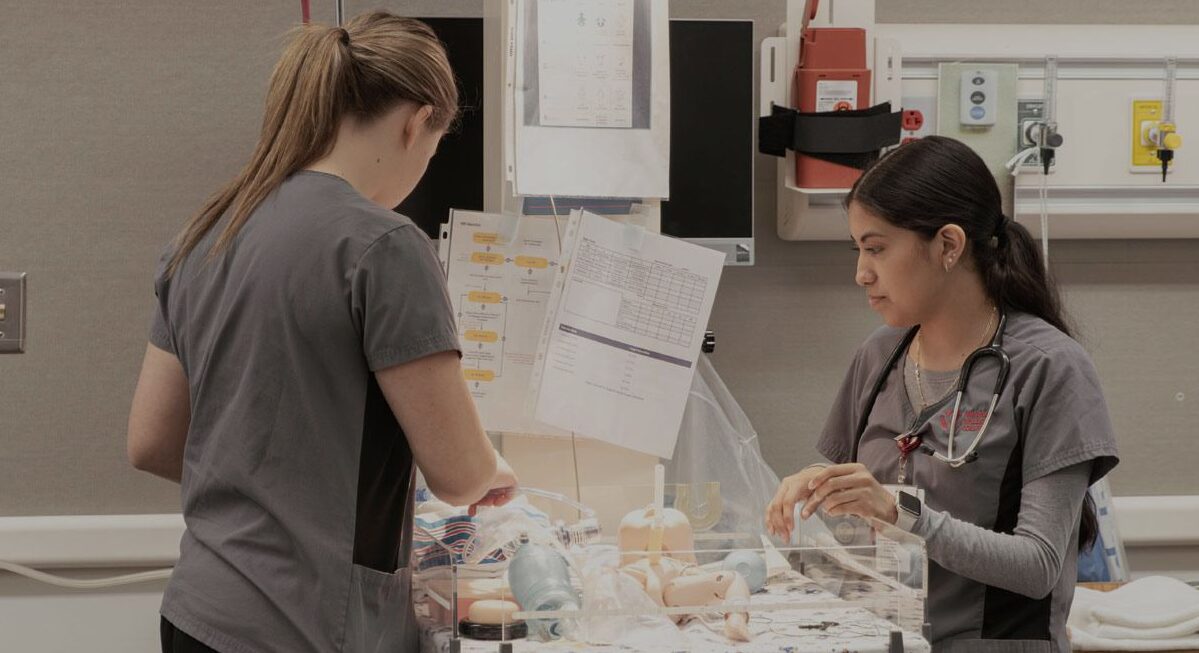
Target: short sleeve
{"x":160,"y":329}
{"x":399,"y":300}
{"x":839,"y":427}
{"x":1065,"y":419}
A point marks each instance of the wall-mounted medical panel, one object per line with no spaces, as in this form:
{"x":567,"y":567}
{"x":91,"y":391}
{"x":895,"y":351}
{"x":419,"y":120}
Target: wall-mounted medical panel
{"x":1094,"y":189}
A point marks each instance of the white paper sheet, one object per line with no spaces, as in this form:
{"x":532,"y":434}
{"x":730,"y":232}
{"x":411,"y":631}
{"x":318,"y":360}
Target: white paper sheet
{"x":562,"y":152}
{"x":500,"y":270}
{"x":630,"y":311}
{"x":585,"y":63}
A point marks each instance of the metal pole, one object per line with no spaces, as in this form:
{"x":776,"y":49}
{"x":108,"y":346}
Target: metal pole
{"x":341,"y":17}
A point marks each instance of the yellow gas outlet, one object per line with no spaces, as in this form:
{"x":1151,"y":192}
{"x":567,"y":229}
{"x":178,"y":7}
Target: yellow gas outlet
{"x":1145,"y":114}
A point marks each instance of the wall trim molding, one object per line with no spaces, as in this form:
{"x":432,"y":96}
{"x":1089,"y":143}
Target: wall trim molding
{"x":91,"y":540}
{"x":1158,"y":520}
{"x":152,"y":540}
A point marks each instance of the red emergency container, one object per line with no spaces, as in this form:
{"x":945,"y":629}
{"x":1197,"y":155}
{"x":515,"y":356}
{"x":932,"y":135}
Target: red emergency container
{"x":831,"y":76}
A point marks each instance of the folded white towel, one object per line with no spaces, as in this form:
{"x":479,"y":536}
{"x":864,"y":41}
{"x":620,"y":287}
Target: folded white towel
{"x":1149,"y":614}
{"x":1081,"y":640}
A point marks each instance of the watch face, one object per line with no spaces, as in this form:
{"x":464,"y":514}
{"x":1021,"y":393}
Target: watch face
{"x":909,"y":502}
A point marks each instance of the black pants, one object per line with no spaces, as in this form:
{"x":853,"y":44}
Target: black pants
{"x":177,"y":641}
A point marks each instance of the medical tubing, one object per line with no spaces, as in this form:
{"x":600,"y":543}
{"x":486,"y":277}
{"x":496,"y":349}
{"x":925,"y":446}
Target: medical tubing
{"x":981,"y":431}
{"x":900,"y":347}
{"x":1045,"y":221}
{"x":561,"y":498}
{"x":953,"y":422}
{"x":958,"y":462}
{"x":85,"y":583}
{"x":1014,"y":163}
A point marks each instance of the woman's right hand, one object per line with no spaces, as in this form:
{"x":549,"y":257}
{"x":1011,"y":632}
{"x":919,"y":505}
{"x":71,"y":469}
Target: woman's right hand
{"x":780,"y":512}
{"x":503,"y":486}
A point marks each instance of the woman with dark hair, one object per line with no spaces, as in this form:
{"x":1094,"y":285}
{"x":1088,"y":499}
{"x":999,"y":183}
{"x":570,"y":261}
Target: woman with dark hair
{"x":993,"y":477}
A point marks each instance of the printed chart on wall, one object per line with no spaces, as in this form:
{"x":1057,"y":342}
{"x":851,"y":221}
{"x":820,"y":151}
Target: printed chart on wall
{"x":585,"y":63}
{"x":590,"y":98}
{"x":500,"y":271}
{"x":629,"y":314}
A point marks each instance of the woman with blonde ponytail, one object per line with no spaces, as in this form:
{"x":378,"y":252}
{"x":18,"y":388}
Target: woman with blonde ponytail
{"x":303,"y":357}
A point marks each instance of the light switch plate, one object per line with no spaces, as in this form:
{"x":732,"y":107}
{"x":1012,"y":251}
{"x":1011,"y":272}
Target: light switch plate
{"x":12,"y":326}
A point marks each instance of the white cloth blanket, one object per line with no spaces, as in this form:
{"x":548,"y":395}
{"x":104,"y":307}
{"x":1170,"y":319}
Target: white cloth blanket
{"x":1156,"y":613}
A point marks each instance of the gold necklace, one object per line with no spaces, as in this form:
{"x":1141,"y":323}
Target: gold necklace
{"x":919,"y":363}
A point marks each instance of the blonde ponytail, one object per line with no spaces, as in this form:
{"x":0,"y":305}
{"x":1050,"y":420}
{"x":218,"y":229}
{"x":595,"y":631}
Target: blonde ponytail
{"x":325,"y":75}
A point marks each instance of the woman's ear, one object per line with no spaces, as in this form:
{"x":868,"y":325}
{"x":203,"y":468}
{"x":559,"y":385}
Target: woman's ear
{"x":416,"y":123}
{"x":950,"y":246}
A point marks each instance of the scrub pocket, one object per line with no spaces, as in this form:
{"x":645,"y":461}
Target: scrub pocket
{"x":380,"y":616}
{"x":994,"y":646}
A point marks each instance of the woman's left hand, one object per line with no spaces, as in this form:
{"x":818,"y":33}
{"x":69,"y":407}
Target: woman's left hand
{"x":850,"y":489}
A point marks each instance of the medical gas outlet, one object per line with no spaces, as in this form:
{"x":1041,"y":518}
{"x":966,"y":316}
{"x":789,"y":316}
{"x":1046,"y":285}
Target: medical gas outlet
{"x":1153,"y":139}
{"x":1165,"y":137}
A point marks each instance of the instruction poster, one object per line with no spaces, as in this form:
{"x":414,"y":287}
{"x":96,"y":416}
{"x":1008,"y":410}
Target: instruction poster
{"x":500,"y":271}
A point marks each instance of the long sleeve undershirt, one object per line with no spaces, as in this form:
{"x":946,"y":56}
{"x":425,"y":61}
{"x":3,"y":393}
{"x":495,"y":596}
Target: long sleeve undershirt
{"x":1029,"y":561}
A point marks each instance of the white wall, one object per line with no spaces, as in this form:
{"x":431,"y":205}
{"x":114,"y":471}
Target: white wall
{"x":38,"y":618}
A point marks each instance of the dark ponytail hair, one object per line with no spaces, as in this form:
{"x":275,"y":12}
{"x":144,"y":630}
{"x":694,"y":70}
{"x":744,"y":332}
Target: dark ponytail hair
{"x":937,"y":181}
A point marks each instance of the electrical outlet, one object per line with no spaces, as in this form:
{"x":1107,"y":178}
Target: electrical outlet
{"x":12,"y":312}
{"x":1146,"y":113}
{"x":919,"y":117}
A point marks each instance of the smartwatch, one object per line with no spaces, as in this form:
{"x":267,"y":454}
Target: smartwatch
{"x":908,"y":506}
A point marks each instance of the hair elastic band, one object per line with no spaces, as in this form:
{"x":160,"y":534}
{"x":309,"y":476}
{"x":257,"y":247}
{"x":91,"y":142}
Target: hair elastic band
{"x":1000,"y":231}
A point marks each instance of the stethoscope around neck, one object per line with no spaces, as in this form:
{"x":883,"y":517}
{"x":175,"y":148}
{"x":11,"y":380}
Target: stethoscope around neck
{"x":994,"y":349}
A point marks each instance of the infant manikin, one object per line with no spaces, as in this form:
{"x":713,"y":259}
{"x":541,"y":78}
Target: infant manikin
{"x":669,"y":573}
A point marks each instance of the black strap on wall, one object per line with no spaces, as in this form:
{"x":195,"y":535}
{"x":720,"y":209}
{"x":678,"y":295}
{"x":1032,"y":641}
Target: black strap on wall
{"x":850,"y":138}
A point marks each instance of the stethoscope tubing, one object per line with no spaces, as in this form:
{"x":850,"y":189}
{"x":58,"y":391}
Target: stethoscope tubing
{"x":994,"y":349}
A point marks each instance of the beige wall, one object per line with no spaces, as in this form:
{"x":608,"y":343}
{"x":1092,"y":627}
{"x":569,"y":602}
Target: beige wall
{"x":118,"y":118}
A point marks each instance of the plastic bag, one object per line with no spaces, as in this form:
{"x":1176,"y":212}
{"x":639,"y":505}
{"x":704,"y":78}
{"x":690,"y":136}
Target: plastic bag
{"x":718,"y":444}
{"x":606,"y":588}
{"x":498,"y":530}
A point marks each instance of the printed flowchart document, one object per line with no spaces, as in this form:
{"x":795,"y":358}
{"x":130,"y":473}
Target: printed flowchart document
{"x":500,"y":271}
{"x":629,"y":312}
{"x":585,"y":63}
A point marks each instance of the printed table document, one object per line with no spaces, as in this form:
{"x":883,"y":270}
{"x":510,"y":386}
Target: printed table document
{"x":629,"y":312}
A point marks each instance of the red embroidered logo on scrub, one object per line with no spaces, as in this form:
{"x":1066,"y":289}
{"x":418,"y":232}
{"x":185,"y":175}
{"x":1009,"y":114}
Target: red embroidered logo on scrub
{"x":968,"y":420}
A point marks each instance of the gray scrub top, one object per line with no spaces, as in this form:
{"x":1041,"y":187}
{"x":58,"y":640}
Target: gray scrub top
{"x":297,"y":480}
{"x":1051,"y":415}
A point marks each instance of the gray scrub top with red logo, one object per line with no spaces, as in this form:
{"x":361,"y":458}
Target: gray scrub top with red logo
{"x":1051,"y":415}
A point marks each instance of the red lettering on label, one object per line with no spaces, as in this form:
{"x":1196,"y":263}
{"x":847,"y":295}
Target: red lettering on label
{"x":969,"y":421}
